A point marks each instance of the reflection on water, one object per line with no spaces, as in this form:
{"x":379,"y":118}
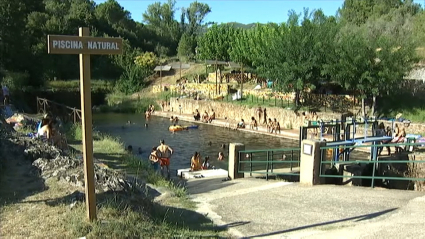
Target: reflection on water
{"x":184,"y":143}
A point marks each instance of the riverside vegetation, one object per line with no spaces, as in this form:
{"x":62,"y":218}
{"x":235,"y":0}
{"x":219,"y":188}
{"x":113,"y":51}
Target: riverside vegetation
{"x":365,"y":50}
{"x":60,"y":212}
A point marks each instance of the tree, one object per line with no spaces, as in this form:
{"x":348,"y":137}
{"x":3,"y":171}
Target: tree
{"x":191,"y":30}
{"x":160,"y":18}
{"x":293,"y":61}
{"x":146,"y":60}
{"x":358,"y":12}
{"x":186,"y":47}
{"x":370,"y":63}
{"x":214,"y":44}
{"x":195,"y":15}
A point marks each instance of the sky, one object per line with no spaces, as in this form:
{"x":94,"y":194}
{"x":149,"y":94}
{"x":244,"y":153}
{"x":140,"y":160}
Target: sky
{"x":245,"y":12}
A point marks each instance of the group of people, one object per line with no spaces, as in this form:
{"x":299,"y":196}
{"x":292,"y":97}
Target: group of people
{"x":196,"y":165}
{"x":195,"y":162}
{"x":206,"y":118}
{"x":272,"y":126}
{"x":399,"y":137}
{"x":253,"y":125}
{"x":174,"y":120}
{"x":160,"y":158}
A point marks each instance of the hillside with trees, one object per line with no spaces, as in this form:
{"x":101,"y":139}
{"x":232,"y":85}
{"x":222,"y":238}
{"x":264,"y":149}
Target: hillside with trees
{"x":367,"y":48}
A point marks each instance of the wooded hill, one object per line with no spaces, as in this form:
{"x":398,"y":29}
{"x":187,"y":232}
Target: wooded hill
{"x":368,"y":46}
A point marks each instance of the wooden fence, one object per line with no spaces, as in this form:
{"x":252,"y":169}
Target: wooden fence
{"x":64,"y":112}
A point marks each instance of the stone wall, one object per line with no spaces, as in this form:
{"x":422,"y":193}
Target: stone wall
{"x":287,"y":118}
{"x":417,"y":170}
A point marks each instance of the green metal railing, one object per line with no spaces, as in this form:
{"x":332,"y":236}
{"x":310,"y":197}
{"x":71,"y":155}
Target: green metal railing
{"x":270,"y":162}
{"x":327,"y":161}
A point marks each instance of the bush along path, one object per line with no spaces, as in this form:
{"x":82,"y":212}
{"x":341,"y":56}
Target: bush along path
{"x":42,"y":195}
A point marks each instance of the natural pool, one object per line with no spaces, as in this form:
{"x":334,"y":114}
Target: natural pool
{"x":184,"y":143}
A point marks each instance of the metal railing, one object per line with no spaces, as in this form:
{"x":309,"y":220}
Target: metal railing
{"x":270,"y":162}
{"x":395,"y":167}
{"x":64,"y":112}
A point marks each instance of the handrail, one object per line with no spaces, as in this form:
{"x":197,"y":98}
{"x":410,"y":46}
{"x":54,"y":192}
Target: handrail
{"x":258,"y":161}
{"x":44,"y":106}
{"x":372,"y":145}
{"x":274,"y":150}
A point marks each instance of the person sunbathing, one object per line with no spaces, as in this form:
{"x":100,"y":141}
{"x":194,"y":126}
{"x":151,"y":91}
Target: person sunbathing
{"x":51,"y":133}
{"x":400,"y":138}
{"x":241,"y":125}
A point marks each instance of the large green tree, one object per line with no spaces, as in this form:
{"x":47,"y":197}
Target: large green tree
{"x":216,"y":42}
{"x":160,"y":18}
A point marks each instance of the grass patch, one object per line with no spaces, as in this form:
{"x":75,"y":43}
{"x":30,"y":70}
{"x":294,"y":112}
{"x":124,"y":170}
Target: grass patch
{"x":111,"y":151}
{"x":74,"y":85}
{"x":412,"y":108}
{"x":48,"y":214}
{"x":121,"y":103}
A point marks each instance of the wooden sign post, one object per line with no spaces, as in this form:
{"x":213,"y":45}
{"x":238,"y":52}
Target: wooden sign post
{"x":84,"y":45}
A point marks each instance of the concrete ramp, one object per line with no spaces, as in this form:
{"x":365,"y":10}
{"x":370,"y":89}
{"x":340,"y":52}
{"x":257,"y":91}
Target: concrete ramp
{"x":255,"y":208}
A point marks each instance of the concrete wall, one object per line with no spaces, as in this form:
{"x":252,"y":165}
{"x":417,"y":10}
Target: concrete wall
{"x":287,"y":118}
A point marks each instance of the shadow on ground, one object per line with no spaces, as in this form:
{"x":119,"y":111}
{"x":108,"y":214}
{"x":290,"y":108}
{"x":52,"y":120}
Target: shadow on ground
{"x":173,"y":216}
{"x":355,"y":219}
{"x":199,"y":186}
{"x":18,"y":178}
{"x":112,"y":160}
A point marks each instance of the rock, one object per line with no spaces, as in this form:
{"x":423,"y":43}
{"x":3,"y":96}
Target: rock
{"x":47,"y":161}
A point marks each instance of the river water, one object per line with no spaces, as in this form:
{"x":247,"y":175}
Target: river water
{"x":184,"y":143}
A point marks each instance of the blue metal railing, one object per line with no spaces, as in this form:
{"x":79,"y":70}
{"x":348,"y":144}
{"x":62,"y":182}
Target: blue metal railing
{"x":270,"y":162}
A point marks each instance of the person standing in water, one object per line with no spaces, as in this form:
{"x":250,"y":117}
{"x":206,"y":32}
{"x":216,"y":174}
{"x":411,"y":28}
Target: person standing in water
{"x":165,"y":153}
{"x":195,"y":162}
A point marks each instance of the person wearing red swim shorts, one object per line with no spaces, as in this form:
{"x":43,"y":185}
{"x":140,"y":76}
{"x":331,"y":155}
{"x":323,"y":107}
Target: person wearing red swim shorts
{"x":165,"y":153}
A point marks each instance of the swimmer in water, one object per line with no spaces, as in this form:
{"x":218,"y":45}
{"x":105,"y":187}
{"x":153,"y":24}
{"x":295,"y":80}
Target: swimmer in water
{"x":209,"y":143}
{"x":220,"y":156}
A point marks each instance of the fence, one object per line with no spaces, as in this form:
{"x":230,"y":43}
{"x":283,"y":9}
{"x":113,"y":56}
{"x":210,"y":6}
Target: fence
{"x":64,"y":112}
{"x":314,"y":102}
{"x":389,"y":170}
{"x":270,"y":162}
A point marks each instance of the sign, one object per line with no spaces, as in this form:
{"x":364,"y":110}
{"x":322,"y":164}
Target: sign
{"x":308,"y":149}
{"x":83,"y":45}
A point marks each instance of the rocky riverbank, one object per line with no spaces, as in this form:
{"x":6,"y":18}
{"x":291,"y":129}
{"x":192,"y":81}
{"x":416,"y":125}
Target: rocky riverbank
{"x":40,"y":183}
{"x":48,"y":161}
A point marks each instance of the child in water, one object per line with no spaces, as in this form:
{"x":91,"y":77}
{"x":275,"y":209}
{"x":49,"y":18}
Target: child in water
{"x":153,"y":157}
{"x":206,"y":164}
{"x":220,"y":156}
